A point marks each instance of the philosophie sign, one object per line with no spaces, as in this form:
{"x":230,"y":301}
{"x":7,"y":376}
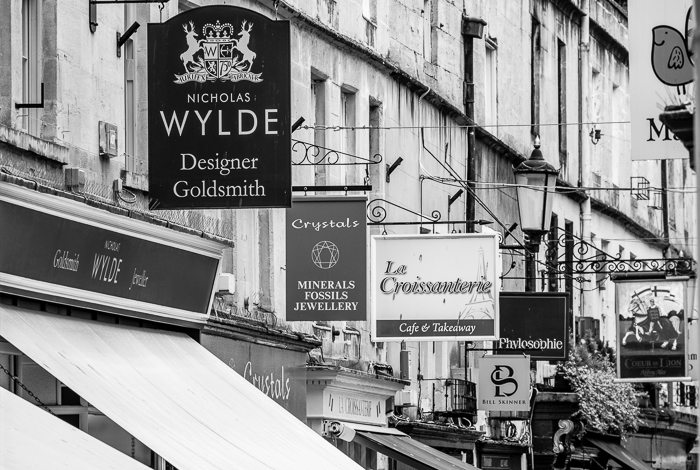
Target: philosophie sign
{"x":534,"y":323}
{"x":56,"y":249}
{"x":651,"y":331}
{"x":434,"y":287}
{"x":327,"y":259}
{"x":661,"y":73}
{"x":504,"y":383}
{"x":219,"y":110}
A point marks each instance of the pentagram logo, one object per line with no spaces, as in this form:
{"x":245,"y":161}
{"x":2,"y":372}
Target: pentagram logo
{"x":325,"y":254}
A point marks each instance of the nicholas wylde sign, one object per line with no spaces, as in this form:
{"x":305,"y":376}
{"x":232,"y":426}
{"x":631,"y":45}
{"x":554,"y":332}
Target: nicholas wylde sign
{"x":327,"y":258}
{"x":219,"y":110}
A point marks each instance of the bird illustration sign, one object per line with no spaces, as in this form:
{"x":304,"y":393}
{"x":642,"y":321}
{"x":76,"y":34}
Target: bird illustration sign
{"x":661,"y":71}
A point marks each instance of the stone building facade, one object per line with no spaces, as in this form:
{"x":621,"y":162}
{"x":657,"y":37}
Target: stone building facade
{"x":388,"y":79}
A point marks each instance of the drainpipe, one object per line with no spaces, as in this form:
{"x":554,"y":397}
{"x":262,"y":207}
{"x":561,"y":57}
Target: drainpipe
{"x":420,"y":148}
{"x":585,"y":144}
{"x":471,"y":139}
{"x":420,"y":131}
{"x":471,"y":28}
{"x":664,"y":198}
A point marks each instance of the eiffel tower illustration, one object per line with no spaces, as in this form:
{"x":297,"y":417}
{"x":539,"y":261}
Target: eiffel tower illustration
{"x":480,"y":305}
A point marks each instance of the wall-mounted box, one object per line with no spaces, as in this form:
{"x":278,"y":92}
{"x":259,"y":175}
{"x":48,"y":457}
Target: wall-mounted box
{"x":405,"y":398}
{"x":74,"y":179}
{"x":226,"y":282}
{"x":108,"y":140}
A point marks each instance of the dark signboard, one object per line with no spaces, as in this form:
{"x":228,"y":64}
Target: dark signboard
{"x":60,"y":259}
{"x":651,"y":330}
{"x":219,"y":132}
{"x":327,"y":258}
{"x":535,"y":323}
{"x":278,"y":373}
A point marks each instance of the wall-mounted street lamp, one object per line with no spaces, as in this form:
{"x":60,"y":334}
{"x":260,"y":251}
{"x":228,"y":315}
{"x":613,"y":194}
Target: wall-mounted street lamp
{"x":122,"y":38}
{"x":451,"y":199}
{"x":595,"y":135}
{"x":536,"y":180}
{"x":297,"y":124}
{"x":390,"y":169}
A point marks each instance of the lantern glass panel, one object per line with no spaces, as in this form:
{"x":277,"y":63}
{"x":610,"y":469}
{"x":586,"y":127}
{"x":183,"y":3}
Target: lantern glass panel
{"x":535,"y":197}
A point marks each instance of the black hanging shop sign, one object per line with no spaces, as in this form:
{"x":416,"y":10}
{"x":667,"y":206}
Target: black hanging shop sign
{"x":62,"y":251}
{"x":219,"y":131}
{"x":536,"y":324}
{"x":327,"y":258}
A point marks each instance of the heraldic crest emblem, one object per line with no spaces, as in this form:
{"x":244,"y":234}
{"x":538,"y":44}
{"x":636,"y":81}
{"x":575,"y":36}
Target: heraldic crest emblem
{"x":219,"y":55}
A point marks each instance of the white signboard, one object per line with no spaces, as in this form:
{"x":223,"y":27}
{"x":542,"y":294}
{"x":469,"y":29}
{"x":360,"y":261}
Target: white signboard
{"x":434,"y":287}
{"x":504,"y":383}
{"x":359,"y":408}
{"x":661,"y":73}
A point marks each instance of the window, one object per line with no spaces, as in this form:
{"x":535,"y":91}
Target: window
{"x":318,"y":96}
{"x":490,"y":84}
{"x":429,"y":17}
{"x":348,"y":143}
{"x":375,"y":121}
{"x":535,"y":72}
{"x":601,"y":255}
{"x":569,"y":256}
{"x":615,"y":196}
{"x":129,"y":94}
{"x":347,"y":120}
{"x":369,"y":10}
{"x":553,"y":255}
{"x":31,"y":65}
{"x":561,"y":87}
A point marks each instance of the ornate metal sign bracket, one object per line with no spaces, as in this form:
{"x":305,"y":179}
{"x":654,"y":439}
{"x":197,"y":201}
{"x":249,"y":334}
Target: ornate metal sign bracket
{"x":377,"y":212}
{"x":346,"y":188}
{"x":305,"y":153}
{"x":588,"y":259}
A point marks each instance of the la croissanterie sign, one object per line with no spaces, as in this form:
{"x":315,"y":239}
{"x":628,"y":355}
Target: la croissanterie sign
{"x":219,"y":131}
{"x":434,"y":287}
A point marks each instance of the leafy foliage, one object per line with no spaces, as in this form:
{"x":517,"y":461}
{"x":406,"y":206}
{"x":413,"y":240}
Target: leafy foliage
{"x":604,"y":405}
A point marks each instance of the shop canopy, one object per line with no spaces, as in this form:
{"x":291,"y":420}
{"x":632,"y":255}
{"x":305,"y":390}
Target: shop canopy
{"x":401,"y":447}
{"x":170,"y":393}
{"x":619,"y":454}
{"x":30,"y":438}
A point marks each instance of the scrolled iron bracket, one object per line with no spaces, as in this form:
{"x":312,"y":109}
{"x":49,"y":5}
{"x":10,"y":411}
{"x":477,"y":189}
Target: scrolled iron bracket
{"x":376,"y":213}
{"x":305,"y":153}
{"x":589,"y":259}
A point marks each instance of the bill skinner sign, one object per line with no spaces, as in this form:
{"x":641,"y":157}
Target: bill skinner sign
{"x":219,"y":110}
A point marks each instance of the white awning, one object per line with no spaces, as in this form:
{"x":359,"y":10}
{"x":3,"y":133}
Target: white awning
{"x":32,"y":439}
{"x":397,"y":445}
{"x":170,"y":393}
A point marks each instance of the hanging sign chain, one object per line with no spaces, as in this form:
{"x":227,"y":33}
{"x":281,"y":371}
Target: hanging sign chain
{"x":24,"y":387}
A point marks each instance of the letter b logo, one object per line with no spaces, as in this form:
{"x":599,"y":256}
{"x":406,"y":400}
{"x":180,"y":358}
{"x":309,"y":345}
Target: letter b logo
{"x":502,"y":380}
